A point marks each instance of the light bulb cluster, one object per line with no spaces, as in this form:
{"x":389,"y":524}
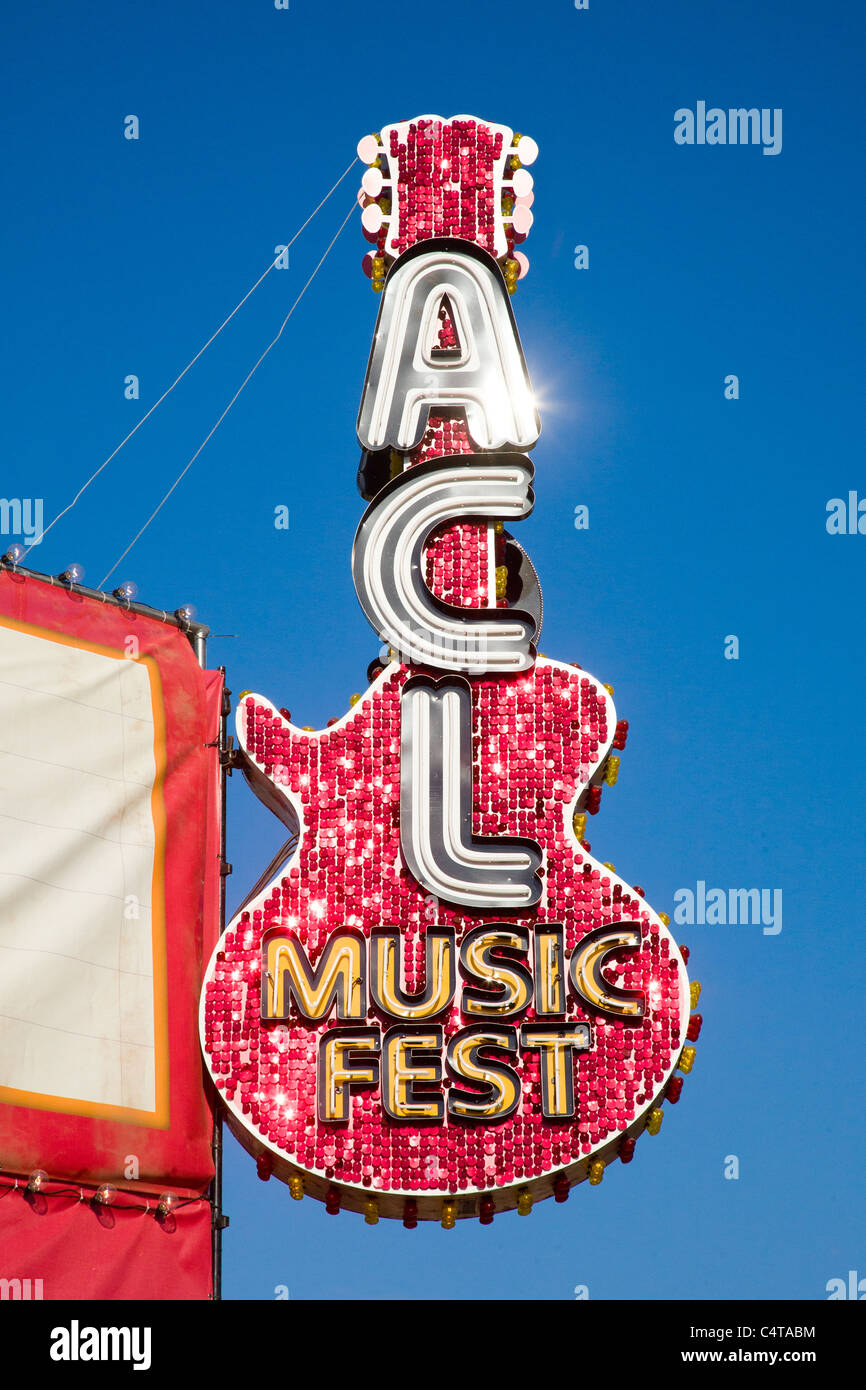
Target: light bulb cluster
{"x":457,"y":568}
{"x":446,"y":335}
{"x":431,"y":177}
{"x":445,"y":176}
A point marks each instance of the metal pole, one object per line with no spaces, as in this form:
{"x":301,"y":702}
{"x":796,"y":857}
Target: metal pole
{"x":198,"y":639}
{"x":219,"y":1220}
{"x":217,"y":1235}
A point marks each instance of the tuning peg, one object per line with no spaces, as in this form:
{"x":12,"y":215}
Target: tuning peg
{"x":368,"y":149}
{"x":522,"y":219}
{"x":527,"y":149}
{"x":372,"y":182}
{"x":372,"y":218}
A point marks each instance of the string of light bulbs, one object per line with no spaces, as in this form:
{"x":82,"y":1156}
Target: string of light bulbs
{"x":39,"y":1184}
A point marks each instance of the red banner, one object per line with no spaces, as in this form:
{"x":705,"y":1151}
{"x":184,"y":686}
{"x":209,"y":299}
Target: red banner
{"x":109,"y":905}
{"x":55,"y":1246}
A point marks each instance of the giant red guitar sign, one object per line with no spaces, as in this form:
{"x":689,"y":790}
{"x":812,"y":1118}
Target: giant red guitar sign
{"x":445,"y":1006}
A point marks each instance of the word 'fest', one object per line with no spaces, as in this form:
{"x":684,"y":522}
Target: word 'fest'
{"x":444,"y":1006}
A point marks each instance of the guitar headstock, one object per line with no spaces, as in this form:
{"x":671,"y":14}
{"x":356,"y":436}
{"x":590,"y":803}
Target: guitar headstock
{"x":455,"y":176}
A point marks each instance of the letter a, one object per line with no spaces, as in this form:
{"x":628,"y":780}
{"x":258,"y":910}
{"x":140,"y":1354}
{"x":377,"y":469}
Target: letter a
{"x":684,"y":128}
{"x":837,"y":521}
{"x":487,"y":377}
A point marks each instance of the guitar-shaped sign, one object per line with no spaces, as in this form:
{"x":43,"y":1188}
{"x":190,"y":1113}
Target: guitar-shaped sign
{"x":445,"y":1006}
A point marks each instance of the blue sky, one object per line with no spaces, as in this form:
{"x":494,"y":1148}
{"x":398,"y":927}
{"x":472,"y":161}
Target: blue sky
{"x":707,"y":515}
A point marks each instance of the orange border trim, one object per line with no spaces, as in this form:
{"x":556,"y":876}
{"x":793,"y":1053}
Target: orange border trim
{"x":158,"y":1118}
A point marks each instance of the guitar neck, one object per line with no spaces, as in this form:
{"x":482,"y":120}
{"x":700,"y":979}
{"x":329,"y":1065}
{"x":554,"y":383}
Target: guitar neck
{"x":450,"y":177}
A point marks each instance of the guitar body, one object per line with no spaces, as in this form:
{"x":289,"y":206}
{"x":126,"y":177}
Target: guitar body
{"x":538,"y":740}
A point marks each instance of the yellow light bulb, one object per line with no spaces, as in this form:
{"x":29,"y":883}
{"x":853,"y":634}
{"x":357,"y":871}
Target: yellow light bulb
{"x":687,"y":1059}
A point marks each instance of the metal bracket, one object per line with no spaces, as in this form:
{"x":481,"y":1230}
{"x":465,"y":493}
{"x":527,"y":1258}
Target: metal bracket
{"x":229,"y":756}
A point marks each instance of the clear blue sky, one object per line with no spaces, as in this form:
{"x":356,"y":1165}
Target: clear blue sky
{"x":707,"y":516}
